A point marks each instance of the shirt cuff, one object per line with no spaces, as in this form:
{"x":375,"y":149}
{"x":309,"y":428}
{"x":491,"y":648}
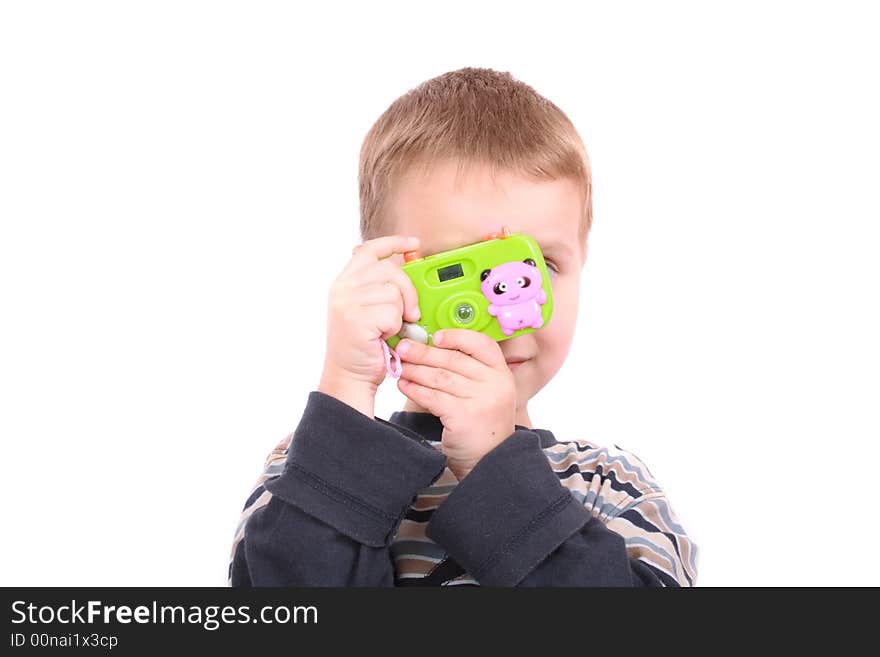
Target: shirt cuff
{"x":352,"y":472}
{"x":508,"y":515}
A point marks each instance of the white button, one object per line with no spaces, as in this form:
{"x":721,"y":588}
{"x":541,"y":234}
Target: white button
{"x":414,"y":332}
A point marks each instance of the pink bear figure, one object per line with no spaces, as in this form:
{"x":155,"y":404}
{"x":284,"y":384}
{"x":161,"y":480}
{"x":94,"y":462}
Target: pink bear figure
{"x":515,"y":293}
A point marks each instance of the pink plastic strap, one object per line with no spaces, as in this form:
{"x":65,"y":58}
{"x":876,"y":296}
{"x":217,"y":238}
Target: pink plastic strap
{"x":389,"y":353}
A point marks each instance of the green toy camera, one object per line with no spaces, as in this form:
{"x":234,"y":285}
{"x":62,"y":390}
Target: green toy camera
{"x":499,"y":286}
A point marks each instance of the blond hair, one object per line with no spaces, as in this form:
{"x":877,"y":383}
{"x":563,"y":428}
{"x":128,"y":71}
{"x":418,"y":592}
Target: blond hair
{"x":474,"y":115}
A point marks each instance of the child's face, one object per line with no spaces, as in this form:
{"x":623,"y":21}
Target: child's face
{"x":446,"y":213}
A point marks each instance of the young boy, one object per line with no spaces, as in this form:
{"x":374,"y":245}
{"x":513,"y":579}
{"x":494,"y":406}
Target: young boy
{"x":459,"y":487}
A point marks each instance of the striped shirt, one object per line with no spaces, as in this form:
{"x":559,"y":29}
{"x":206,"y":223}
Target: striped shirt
{"x":629,"y":524}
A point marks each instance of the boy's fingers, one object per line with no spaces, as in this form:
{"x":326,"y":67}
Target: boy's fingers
{"x":475,"y":344}
{"x":435,"y":401}
{"x":448,"y":381}
{"x":447,"y":359}
{"x":379,"y":294}
{"x":382,"y":247}
{"x":410,"y":295}
{"x":388,"y":271}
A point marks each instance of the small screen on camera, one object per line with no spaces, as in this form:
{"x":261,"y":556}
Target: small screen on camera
{"x":450,"y":272}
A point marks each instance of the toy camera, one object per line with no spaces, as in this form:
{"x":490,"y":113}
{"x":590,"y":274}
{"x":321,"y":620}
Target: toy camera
{"x":498,"y":286}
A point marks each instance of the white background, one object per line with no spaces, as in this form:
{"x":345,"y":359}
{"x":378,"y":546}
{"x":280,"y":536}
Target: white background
{"x":178,"y":189}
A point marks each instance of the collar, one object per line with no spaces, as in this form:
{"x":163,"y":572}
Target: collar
{"x":431,"y":428}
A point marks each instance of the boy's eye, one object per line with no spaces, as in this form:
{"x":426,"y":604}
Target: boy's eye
{"x":552,"y":266}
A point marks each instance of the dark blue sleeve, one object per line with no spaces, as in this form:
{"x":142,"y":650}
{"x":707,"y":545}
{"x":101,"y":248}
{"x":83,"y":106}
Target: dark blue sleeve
{"x":345,"y":487}
{"x":510,"y":522}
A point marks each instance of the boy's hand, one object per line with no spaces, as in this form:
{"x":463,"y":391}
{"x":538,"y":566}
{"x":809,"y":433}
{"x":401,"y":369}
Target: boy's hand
{"x":466,"y":382}
{"x":368,"y":302}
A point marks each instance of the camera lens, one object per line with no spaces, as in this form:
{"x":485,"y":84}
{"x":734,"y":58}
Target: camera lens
{"x":464,"y":313}
{"x":466,"y":309}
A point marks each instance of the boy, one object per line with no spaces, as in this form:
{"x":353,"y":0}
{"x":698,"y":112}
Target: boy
{"x":459,"y":487}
